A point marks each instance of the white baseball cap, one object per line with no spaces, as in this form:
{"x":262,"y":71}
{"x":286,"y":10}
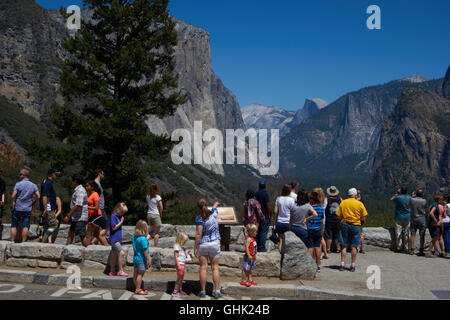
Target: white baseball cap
{"x":352,"y":192}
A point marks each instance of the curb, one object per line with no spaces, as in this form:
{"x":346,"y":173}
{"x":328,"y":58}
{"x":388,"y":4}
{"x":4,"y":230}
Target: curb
{"x":230,"y":288}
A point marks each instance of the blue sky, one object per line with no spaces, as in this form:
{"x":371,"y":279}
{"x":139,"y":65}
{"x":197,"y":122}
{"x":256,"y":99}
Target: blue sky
{"x":282,"y":52}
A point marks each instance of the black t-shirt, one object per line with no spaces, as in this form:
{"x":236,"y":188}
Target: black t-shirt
{"x":263,"y":198}
{"x":2,"y":187}
{"x":330,"y":212}
{"x":48,"y":190}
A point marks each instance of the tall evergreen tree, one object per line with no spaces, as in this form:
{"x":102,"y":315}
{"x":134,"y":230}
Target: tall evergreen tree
{"x":122,"y":69}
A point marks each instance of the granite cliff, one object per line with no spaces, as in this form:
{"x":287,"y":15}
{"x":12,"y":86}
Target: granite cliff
{"x":414,"y":146}
{"x":343,"y":137}
{"x":30,"y":57}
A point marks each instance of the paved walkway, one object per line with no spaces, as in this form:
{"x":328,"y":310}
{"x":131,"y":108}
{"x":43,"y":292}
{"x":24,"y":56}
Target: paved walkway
{"x":402,"y":276}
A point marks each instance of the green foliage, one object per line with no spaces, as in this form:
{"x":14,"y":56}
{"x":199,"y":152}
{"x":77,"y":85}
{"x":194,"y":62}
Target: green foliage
{"x":180,"y":214}
{"x":122,"y":67}
{"x":21,"y":128}
{"x":385,"y":220}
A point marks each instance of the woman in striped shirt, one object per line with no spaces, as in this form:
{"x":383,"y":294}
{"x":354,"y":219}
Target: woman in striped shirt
{"x":315,"y":228}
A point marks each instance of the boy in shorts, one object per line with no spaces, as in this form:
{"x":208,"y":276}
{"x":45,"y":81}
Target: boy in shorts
{"x":115,"y":232}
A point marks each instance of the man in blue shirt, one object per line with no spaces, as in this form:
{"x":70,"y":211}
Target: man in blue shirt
{"x":402,"y":219}
{"x":263,"y":198}
{"x":48,"y":204}
{"x":22,"y":197}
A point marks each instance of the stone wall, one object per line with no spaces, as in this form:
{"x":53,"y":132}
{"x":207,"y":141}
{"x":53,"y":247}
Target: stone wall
{"x":34,"y":254}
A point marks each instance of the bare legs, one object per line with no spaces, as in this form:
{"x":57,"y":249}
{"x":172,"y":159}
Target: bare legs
{"x":215,"y":272}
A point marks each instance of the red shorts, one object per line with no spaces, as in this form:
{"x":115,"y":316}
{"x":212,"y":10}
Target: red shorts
{"x":180,"y":271}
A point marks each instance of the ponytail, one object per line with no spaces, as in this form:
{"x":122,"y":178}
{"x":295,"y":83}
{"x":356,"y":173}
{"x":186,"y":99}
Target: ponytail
{"x":202,"y":204}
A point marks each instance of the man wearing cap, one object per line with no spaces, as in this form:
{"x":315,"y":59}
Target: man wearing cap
{"x":263,"y":198}
{"x":351,"y":212}
{"x":22,"y":197}
{"x":48,"y":204}
{"x":2,"y":198}
{"x":332,"y":221}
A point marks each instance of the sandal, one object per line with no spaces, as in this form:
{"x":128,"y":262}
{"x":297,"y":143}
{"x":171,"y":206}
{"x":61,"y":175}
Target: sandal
{"x":253,"y":283}
{"x":121,"y":274}
{"x":141,"y":292}
{"x":245,"y":283}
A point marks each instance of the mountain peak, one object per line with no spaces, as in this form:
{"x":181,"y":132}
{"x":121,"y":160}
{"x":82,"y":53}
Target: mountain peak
{"x":319,"y":102}
{"x":416,"y":78}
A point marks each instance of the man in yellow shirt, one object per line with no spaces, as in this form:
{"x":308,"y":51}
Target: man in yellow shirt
{"x":351,"y":212}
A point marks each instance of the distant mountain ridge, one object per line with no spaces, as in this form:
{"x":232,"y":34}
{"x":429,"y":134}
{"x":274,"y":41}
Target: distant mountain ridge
{"x":258,"y":116}
{"x":343,"y":138}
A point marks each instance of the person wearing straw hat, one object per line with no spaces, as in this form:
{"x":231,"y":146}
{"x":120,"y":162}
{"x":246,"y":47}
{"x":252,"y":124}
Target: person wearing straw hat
{"x":332,"y":221}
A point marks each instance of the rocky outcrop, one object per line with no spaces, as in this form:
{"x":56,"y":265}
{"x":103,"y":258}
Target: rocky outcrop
{"x":30,"y":58}
{"x":29,"y":55}
{"x":414,"y":145}
{"x":296,"y":262}
{"x":258,"y":116}
{"x":346,"y":133}
{"x":446,"y":85}
{"x":311,"y":107}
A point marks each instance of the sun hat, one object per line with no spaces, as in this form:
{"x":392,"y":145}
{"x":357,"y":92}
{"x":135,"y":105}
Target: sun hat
{"x":333,"y":191}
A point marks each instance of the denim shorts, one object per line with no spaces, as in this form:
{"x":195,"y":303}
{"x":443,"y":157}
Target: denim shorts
{"x":303,"y":234}
{"x":78,"y":227}
{"x":350,"y":235}
{"x":116,"y":246}
{"x":315,"y":237}
{"x":141,"y":266}
{"x":21,"y":215}
{"x":282,"y":228}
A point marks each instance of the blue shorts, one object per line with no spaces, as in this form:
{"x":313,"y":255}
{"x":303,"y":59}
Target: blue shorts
{"x":282,"y":228}
{"x":350,"y":235}
{"x":303,"y":234}
{"x":17,"y":216}
{"x":249,"y":264}
{"x":315,"y":237}
{"x":141,"y":266}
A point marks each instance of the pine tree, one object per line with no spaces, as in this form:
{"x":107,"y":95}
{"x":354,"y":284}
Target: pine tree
{"x":121,"y":71}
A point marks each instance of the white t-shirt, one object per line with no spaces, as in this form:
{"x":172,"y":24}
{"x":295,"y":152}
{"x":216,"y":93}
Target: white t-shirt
{"x":153,"y":205}
{"x":447,"y":219}
{"x":325,"y":204}
{"x":285,"y":206}
{"x":294,"y":196}
{"x":182,"y":256}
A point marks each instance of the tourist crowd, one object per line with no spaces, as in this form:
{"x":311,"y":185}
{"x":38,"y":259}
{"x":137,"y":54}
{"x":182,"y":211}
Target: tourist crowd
{"x":322,"y":222}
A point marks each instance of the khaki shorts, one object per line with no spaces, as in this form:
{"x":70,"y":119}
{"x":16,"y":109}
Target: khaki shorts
{"x":50,"y":221}
{"x":154,"y":220}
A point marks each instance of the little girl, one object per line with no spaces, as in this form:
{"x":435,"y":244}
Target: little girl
{"x":181,"y":256}
{"x":250,"y":256}
{"x":141,"y":257}
{"x":115,"y":237}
